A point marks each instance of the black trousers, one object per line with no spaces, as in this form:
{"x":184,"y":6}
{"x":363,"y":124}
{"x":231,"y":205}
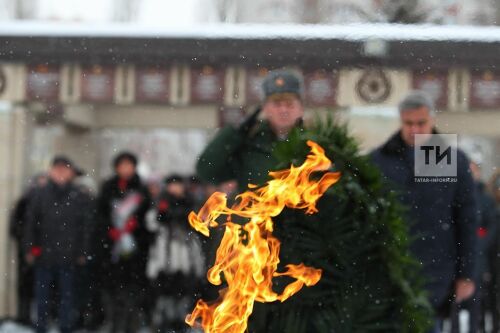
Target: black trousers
{"x":125,"y":308}
{"x":25,"y":294}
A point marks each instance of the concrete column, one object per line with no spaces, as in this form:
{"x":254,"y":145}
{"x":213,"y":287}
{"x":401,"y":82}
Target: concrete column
{"x":14,"y":139}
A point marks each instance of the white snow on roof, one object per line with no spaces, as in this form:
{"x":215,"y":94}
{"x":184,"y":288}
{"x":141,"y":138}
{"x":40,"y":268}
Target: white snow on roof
{"x":355,"y":32}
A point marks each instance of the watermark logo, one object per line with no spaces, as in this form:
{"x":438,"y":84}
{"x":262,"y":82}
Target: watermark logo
{"x":436,"y":158}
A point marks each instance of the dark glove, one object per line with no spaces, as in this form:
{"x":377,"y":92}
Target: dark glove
{"x":249,"y":122}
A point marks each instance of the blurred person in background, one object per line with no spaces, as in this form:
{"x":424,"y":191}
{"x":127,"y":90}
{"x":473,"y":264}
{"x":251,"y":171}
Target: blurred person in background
{"x":494,"y":188}
{"x":123,"y":244}
{"x":229,"y":187}
{"x":209,"y":190}
{"x":154,"y":185}
{"x":483,"y":300}
{"x":176,"y":262}
{"x":56,"y":242}
{"x":442,"y":216}
{"x":196,"y":191}
{"x":25,"y":273}
{"x":91,"y":314}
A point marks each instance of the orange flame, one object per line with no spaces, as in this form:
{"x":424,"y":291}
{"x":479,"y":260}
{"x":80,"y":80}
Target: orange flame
{"x":248,"y":255}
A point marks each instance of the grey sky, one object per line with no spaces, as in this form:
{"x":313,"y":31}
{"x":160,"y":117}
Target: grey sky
{"x":154,"y":12}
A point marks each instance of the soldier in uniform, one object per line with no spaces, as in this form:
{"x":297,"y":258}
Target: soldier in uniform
{"x":245,"y":154}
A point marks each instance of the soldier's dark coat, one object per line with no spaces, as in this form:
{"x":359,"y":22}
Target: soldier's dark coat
{"x":244,"y":157}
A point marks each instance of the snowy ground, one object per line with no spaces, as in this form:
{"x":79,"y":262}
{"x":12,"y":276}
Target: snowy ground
{"x":12,"y":327}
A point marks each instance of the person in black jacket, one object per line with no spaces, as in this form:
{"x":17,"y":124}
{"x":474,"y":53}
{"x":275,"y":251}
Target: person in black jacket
{"x":25,"y":274}
{"x":494,"y":189}
{"x":487,"y":230}
{"x":56,"y":241}
{"x":124,"y":242}
{"x":442,"y":215}
{"x":89,"y":301}
{"x":176,"y":263}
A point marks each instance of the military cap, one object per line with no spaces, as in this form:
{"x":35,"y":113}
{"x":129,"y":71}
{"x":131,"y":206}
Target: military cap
{"x":282,"y":82}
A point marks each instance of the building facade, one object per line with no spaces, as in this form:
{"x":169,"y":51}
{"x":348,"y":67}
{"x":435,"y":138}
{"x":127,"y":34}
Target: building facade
{"x":162,"y":94}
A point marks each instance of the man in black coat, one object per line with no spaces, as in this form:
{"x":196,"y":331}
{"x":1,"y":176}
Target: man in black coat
{"x":25,"y":274}
{"x":56,"y":241}
{"x":487,"y":230}
{"x":124,"y":242}
{"x":441,"y":214}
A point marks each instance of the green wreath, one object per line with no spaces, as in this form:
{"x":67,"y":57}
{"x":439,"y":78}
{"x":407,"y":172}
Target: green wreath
{"x":359,"y":239}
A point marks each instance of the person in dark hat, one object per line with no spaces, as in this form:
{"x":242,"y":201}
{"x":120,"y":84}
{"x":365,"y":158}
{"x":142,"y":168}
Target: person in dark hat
{"x":123,"y":243}
{"x":176,"y":263}
{"x":125,"y":156}
{"x":56,"y":241}
{"x":245,"y":153}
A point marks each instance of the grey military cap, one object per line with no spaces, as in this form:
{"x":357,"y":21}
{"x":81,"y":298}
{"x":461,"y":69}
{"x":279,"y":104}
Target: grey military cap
{"x":282,"y":82}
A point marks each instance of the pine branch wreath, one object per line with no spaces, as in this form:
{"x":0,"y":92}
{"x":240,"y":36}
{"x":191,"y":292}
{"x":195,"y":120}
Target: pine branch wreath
{"x":370,"y":281}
